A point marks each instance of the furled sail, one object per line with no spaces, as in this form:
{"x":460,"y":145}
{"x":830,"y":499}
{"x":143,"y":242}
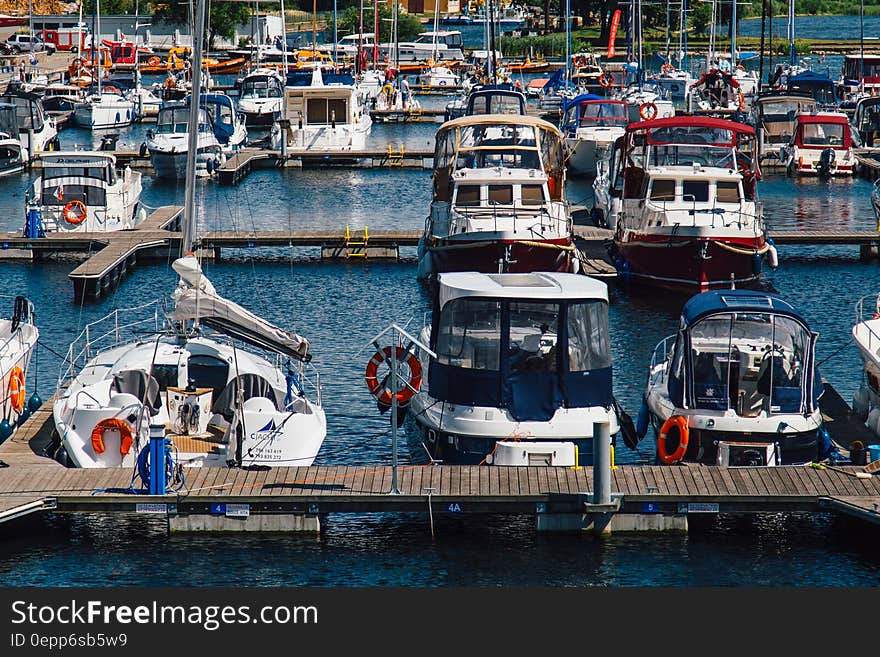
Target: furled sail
{"x":196,"y":299}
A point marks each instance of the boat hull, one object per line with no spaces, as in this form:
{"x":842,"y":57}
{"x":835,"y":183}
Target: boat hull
{"x":688,"y":264}
{"x":492,"y":256}
{"x":172,"y":166}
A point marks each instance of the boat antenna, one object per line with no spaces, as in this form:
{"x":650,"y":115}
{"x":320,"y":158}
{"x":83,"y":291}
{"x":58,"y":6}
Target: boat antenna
{"x":862,"y":45}
{"x":189,"y":219}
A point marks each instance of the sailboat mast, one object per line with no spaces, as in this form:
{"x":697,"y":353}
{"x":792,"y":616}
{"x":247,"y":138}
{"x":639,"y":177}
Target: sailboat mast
{"x":376,"y":35}
{"x":283,"y":41}
{"x":357,"y":67}
{"x":733,"y":57}
{"x":668,"y":18}
{"x":792,"y":52}
{"x":567,"y":43}
{"x":314,"y":28}
{"x":189,"y":218}
{"x":96,"y":46}
{"x":862,"y":45}
{"x":335,"y":35}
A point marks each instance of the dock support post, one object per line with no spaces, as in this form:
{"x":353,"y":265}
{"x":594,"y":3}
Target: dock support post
{"x":602,"y":462}
{"x":157,"y":460}
{"x":394,"y":385}
{"x":868,"y":252}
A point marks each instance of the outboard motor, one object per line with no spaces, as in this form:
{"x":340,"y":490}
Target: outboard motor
{"x":108,"y":142}
{"x":825,"y":163}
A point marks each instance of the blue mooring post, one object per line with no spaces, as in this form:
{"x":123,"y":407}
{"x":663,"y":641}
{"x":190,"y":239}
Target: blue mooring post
{"x":157,"y":459}
{"x":34,"y":228}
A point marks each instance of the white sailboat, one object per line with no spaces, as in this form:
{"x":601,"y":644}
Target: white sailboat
{"x":220,"y":398}
{"x":18,"y":338}
{"x":103,"y":109}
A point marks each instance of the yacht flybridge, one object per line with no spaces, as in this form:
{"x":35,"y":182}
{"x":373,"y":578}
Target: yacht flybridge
{"x":523,"y":370}
{"x":737,"y":384}
{"x":498,"y":198}
{"x":681,"y":196}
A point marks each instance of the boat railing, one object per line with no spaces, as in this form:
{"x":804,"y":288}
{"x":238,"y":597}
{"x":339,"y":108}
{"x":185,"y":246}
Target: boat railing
{"x":866,"y":312}
{"x":118,"y":326}
{"x":662,"y":351}
{"x":732,"y":216}
{"x":546,"y":219}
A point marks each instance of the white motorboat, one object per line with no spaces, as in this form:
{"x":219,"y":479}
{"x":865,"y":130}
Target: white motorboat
{"x":205,"y":387}
{"x":736,"y":385}
{"x":168,"y":145}
{"x":11,"y":160}
{"x":104,"y":109}
{"x":82,"y":191}
{"x":36,"y":129}
{"x":647,"y":102}
{"x":591,"y":124}
{"x":228,"y":126}
{"x":261,"y":97}
{"x":439,"y":46}
{"x":498,"y":202}
{"x":774,"y":114}
{"x":326,"y":117}
{"x":866,"y":334}
{"x":18,"y":339}
{"x":821,"y":144}
{"x":522,"y":370}
{"x":438,"y":77}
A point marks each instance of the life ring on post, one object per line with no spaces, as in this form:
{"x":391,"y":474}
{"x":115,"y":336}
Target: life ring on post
{"x":75,"y":212}
{"x":126,"y":435}
{"x":154,"y":61}
{"x":605,"y":80}
{"x":17,"y":389}
{"x":380,"y":390}
{"x":648,"y":111}
{"x":675,"y":423}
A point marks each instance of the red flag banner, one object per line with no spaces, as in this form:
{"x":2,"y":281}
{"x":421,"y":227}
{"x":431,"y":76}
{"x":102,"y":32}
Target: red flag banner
{"x":612,"y":33}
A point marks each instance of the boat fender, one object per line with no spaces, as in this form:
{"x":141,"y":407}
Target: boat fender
{"x":643,"y":419}
{"x":826,"y":447}
{"x":6,"y":430}
{"x":627,"y":426}
{"x":756,"y":264}
{"x":16,"y":394}
{"x":860,"y":404}
{"x":675,"y":428}
{"x":772,"y":254}
{"x":143,"y":149}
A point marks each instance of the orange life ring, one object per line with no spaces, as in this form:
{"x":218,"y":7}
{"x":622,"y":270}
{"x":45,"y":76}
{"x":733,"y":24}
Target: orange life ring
{"x":605,"y":80}
{"x":125,"y":434}
{"x":16,"y":389}
{"x":379,"y":390}
{"x":674,"y":422}
{"x":72,"y":217}
{"x":154,"y":61}
{"x":648,"y":111}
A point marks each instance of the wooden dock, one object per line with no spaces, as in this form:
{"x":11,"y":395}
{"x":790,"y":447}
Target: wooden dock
{"x":412,"y":115}
{"x":288,"y":498}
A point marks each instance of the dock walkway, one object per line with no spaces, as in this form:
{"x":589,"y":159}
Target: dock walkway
{"x":648,"y":497}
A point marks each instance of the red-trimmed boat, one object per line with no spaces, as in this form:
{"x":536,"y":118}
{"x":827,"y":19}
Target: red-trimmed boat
{"x":498,"y":201}
{"x":681,"y":195}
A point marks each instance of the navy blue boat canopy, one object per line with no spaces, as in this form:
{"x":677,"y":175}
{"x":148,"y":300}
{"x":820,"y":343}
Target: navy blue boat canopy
{"x":577,"y":100}
{"x":749,"y":301}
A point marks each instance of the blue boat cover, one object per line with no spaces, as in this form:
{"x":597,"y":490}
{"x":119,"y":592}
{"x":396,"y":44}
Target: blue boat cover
{"x":577,"y":100}
{"x":719,"y":301}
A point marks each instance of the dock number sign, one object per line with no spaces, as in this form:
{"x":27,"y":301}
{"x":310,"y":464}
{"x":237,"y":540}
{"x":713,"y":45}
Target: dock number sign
{"x":454,"y":507}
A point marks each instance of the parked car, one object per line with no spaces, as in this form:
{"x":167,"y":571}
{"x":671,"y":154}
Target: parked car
{"x":20,"y":43}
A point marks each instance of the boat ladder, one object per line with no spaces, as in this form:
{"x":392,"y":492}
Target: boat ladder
{"x":395,"y":158}
{"x":355,"y":248}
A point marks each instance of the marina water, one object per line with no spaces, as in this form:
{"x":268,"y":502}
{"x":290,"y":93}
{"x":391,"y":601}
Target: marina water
{"x":340,"y":306}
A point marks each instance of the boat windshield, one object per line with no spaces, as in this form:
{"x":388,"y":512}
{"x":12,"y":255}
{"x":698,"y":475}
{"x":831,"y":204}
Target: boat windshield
{"x":8,"y":122}
{"x":470,"y":335}
{"x":28,"y":113}
{"x":487,"y":145}
{"x":603,"y":114}
{"x":260,"y":89}
{"x":785,"y":110}
{"x":709,"y":156}
{"x":822,"y":134}
{"x":749,"y":362}
{"x":176,"y":120}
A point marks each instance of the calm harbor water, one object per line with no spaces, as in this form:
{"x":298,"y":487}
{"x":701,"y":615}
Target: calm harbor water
{"x":339,"y":307}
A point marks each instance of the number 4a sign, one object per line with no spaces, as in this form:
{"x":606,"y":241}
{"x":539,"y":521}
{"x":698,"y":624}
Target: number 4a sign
{"x":454,"y":507}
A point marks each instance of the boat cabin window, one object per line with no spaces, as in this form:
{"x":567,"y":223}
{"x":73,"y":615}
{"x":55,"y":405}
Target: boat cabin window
{"x":91,"y":196}
{"x":469,"y":334}
{"x":467,"y":195}
{"x":260,"y":89}
{"x":822,"y":134}
{"x":486,"y":146}
{"x":750,"y":362}
{"x":27,"y":113}
{"x":708,"y":156}
{"x":97,"y":172}
{"x":495,"y":104}
{"x":500,"y":195}
{"x":695,"y":190}
{"x":662,"y":190}
{"x":323,"y":111}
{"x":589,"y":346}
{"x":727,"y":191}
{"x":603,"y":115}
{"x":533,"y":195}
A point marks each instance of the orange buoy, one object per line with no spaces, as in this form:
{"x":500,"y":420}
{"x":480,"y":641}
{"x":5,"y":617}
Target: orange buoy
{"x":675,"y":424}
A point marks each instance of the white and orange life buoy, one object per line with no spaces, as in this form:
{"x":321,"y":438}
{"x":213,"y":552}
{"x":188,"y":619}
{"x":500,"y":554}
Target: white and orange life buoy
{"x":17,"y":389}
{"x":126,"y":435}
{"x":679,"y":426}
{"x":380,"y":390}
{"x":648,"y":111}
{"x":75,"y":212}
{"x":605,"y":80}
{"x":154,"y":61}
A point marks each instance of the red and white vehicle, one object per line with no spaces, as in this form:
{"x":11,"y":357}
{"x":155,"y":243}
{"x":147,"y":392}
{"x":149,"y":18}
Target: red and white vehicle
{"x":73,"y":39}
{"x":681,"y":194}
{"x":821,"y":144}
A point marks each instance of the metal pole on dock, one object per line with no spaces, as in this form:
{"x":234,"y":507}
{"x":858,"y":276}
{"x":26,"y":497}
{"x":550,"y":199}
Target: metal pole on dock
{"x":394,"y":489}
{"x":189,"y":221}
{"x":602,"y":462}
